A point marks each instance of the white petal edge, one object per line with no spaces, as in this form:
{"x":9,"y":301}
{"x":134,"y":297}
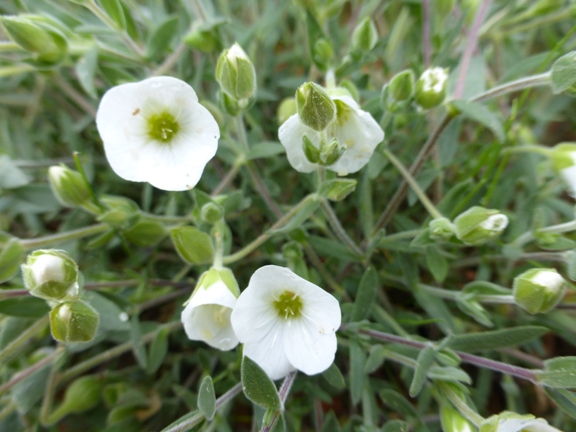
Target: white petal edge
{"x":200,"y":324}
{"x":290,"y":135}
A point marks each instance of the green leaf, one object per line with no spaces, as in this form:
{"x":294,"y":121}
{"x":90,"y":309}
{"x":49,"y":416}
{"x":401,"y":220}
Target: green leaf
{"x":395,"y":426}
{"x":436,"y":262}
{"x":376,"y":358}
{"x":365,"y":295}
{"x":473,"y":309}
{"x":30,"y":390}
{"x":424,"y":362}
{"x":496,"y":339}
{"x":331,"y":423}
{"x":161,"y":38}
{"x":25,"y":307}
{"x":265,"y":149}
{"x":334,"y":377}
{"x":332,"y":248}
{"x":112,"y":317}
{"x":193,"y":245}
{"x":357,"y":375}
{"x":437,"y":309}
{"x":181,"y":422}
{"x":157,"y":351}
{"x":559,"y":372}
{"x":207,"y":398}
{"x":11,"y":176}
{"x":485,"y":288}
{"x":257,"y":387}
{"x":137,"y":345}
{"x":563,"y":73}
{"x":398,"y":403}
{"x":86,"y":69}
{"x":114,"y":10}
{"x":299,"y":218}
{"x":449,"y":373}
{"x":481,"y":114}
{"x":565,"y":399}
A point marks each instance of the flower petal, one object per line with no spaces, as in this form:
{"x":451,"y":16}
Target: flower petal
{"x":308,"y":349}
{"x":290,"y":135}
{"x":211,"y":324}
{"x":217,"y":293}
{"x":360,"y":133}
{"x":253,"y":315}
{"x":269,"y":353}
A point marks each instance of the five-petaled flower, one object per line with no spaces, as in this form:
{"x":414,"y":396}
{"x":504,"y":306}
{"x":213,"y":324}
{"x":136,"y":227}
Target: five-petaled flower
{"x":156,"y":131}
{"x":286,"y":323}
{"x":355,"y":130}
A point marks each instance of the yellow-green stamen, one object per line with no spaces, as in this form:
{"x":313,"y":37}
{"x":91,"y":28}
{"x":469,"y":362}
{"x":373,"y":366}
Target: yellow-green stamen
{"x":288,"y":305}
{"x":162,"y":127}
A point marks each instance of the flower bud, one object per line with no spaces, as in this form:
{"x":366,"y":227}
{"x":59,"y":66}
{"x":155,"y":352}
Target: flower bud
{"x":323,"y":53}
{"x":286,"y":109}
{"x":401,"y":87}
{"x":365,"y":36}
{"x":145,"y":232}
{"x":453,"y":421}
{"x":68,"y":186}
{"x":11,"y":252}
{"x":478,"y":225}
{"x":539,"y":290}
{"x":74,"y":322}
{"x":203,"y":37}
{"x":82,"y":395}
{"x":51,"y":274}
{"x":37,"y":36}
{"x":119,"y":211}
{"x":563,"y":158}
{"x":211,"y":212}
{"x":315,"y":107}
{"x":235,"y":73}
{"x":206,"y":316}
{"x":441,"y":229}
{"x":331,"y":152}
{"x":431,"y":88}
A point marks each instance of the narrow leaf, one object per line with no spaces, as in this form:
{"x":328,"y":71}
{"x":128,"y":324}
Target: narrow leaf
{"x":86,"y":69}
{"x":395,"y":426}
{"x":481,"y":114}
{"x":158,"y":350}
{"x":492,"y":340}
{"x":436,"y":262}
{"x":207,"y":398}
{"x":357,"y":375}
{"x":114,"y":10}
{"x":299,"y":218}
{"x":334,"y":376}
{"x":449,"y":373}
{"x":137,"y":346}
{"x":258,"y":387}
{"x":330,"y":423}
{"x":565,"y":399}
{"x":563,"y":73}
{"x":365,"y":295}
{"x":424,"y":361}
{"x":559,"y":372}
{"x":161,"y":38}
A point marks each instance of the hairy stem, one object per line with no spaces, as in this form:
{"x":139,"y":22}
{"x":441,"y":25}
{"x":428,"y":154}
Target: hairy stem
{"x":53,"y":239}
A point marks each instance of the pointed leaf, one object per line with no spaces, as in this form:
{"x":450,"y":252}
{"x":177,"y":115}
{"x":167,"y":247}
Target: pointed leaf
{"x":424,"y":362}
{"x":207,"y":398}
{"x":258,"y":387}
{"x":158,"y":350}
{"x":365,"y":295}
{"x":496,"y":339}
{"x":480,"y":113}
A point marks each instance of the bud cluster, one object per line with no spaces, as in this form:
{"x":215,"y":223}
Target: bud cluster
{"x":53,"y":276}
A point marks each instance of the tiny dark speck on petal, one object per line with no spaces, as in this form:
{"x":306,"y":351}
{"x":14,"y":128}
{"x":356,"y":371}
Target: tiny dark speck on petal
{"x":136,"y":111}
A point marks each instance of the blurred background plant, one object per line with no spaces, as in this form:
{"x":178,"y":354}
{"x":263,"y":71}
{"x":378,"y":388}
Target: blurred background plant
{"x":432,"y":338}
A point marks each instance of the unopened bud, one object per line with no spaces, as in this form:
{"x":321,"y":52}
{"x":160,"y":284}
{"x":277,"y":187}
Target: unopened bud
{"x":441,"y":229}
{"x":68,"y":186}
{"x":316,"y":109}
{"x":323,"y":53}
{"x":236,"y":75}
{"x":74,"y":322}
{"x":119,"y":212}
{"x":211,"y":212}
{"x":453,"y":421}
{"x":51,"y":275}
{"x":365,"y":36}
{"x":11,"y":252}
{"x":563,"y":158}
{"x":82,"y":395}
{"x":331,"y":152}
{"x":539,"y":290}
{"x":145,"y":232}
{"x":202,"y":37}
{"x":509,"y":421}
{"x":431,"y":88}
{"x":478,"y":225}
{"x":401,"y":87}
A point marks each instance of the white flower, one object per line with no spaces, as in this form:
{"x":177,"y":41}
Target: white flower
{"x":286,"y":323}
{"x":353,"y":128}
{"x":520,"y":425}
{"x":206,"y":316}
{"x":156,"y":131}
{"x":434,"y":79}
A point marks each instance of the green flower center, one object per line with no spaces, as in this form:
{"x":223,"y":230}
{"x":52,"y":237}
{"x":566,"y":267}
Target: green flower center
{"x":288,"y":305}
{"x":162,"y":127}
{"x":343,"y":112}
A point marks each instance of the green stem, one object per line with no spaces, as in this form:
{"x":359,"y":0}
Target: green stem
{"x":528,"y":236}
{"x":531,"y":81}
{"x":265,"y":236}
{"x":283,"y":393}
{"x":454,"y":295}
{"x":229,"y":176}
{"x":170,"y":60}
{"x":77,"y":97}
{"x":80,"y":169}
{"x":197,"y":418}
{"x":115,"y":352}
{"x":460,"y":405}
{"x":53,"y":239}
{"x":13,"y":347}
{"x":413,"y":184}
{"x":9,"y":46}
{"x":541,"y":21}
{"x":15,"y":70}
{"x":219,"y":229}
{"x":49,"y":391}
{"x":338,"y":229}
{"x":538,"y":149}
{"x":28,"y":371}
{"x":167,"y":219}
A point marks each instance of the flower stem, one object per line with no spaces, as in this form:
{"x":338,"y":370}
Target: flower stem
{"x":531,"y":81}
{"x":219,"y":229}
{"x":13,"y":347}
{"x":228,"y":177}
{"x":28,"y":371}
{"x":194,"y":420}
{"x":53,"y":239}
{"x":283,"y":392}
{"x":338,"y":229}
{"x":528,"y":236}
{"x":80,"y":169}
{"x":460,"y":405}
{"x":538,"y":149}
{"x":494,"y":365}
{"x":413,"y":184}
{"x":265,"y":236}
{"x":453,"y":295}
{"x":77,"y":97}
